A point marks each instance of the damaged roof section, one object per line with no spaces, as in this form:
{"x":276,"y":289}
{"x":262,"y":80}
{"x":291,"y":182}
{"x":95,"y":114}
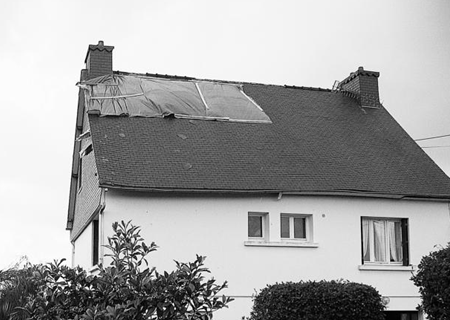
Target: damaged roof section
{"x":138,"y":96}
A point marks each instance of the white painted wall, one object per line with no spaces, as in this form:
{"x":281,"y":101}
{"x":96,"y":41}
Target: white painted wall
{"x":82,"y":252}
{"x":217,"y":227}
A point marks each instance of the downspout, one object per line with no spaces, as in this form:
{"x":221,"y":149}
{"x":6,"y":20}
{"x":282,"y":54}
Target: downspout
{"x":73,"y":254}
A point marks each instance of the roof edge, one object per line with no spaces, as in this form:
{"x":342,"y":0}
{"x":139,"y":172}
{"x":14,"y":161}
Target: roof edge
{"x":344,"y":193}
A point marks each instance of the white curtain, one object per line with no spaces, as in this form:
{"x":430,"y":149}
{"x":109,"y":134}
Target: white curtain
{"x":365,"y":235}
{"x":379,"y":230}
{"x":395,"y":241}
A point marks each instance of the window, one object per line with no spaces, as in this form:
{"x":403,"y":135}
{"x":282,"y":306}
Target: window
{"x":295,"y":231}
{"x":401,"y":315}
{"x":87,"y":150}
{"x":80,"y":174}
{"x":257,"y":225}
{"x":384,"y":241}
{"x":95,"y":242}
{"x":293,"y":227}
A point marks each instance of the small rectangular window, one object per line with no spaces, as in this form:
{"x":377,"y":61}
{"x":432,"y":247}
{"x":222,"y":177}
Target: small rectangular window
{"x":95,"y":242}
{"x":80,"y":174}
{"x":401,"y":315}
{"x":285,"y":229}
{"x":257,"y":225}
{"x":384,"y":241}
{"x":294,"y":226}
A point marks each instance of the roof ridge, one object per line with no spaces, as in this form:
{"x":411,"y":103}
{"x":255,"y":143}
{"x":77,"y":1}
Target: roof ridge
{"x":307,"y":88}
{"x":168,"y":76}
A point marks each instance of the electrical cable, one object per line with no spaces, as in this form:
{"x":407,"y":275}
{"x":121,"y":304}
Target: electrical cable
{"x":435,"y":137}
{"x":431,"y":147}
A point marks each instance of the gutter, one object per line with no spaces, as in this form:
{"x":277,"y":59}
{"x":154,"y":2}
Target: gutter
{"x":280,"y":193}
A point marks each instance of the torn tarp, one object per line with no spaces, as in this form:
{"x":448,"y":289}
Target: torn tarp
{"x":138,"y":96}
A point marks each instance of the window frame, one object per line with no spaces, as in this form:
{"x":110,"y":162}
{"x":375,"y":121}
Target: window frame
{"x":271,"y":236}
{"x":307,"y":226}
{"x":404,"y":226}
{"x":264,"y":225}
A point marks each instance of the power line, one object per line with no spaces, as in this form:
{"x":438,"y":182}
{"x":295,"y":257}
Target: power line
{"x":431,"y":147}
{"x":435,"y":137}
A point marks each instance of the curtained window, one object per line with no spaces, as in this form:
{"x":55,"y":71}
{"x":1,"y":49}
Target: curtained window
{"x":384,"y":241}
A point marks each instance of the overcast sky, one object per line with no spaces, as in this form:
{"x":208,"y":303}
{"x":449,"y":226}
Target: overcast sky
{"x":306,"y":43}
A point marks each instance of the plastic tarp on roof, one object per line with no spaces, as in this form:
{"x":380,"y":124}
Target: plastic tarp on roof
{"x":138,"y":96}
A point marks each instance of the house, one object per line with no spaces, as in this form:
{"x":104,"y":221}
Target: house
{"x":272,"y":183}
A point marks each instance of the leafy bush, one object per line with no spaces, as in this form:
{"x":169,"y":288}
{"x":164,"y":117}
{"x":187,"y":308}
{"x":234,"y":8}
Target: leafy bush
{"x":127,"y":289}
{"x":324,"y":300}
{"x":433,"y":280}
{"x":16,"y":284}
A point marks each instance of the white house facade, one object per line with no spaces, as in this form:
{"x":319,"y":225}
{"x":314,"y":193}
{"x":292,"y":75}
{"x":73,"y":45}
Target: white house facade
{"x":217,"y":227}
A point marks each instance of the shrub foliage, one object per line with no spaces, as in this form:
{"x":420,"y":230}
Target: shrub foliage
{"x":323,"y":300}
{"x":126,"y":289}
{"x":16,"y":284}
{"x":433,"y":280}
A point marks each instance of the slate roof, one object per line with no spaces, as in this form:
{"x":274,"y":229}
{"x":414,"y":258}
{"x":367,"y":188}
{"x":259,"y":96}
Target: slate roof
{"x":319,"y":142}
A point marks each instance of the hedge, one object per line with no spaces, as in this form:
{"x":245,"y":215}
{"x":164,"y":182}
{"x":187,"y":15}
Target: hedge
{"x":433,"y":280}
{"x":323,"y":300}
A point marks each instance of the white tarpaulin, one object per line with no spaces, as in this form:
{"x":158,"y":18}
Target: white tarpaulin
{"x":138,"y":96}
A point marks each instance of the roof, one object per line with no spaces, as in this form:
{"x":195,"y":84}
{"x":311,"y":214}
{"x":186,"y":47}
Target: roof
{"x":318,"y":142}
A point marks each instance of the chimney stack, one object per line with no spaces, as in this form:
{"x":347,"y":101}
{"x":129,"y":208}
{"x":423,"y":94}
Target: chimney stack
{"x":98,"y":60}
{"x":363,"y":85}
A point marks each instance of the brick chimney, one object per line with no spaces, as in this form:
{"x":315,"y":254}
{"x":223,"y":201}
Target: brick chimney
{"x":362,"y":85}
{"x":98,"y":60}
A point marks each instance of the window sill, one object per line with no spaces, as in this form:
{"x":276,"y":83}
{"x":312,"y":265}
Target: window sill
{"x":380,"y":267}
{"x":291,"y":244}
